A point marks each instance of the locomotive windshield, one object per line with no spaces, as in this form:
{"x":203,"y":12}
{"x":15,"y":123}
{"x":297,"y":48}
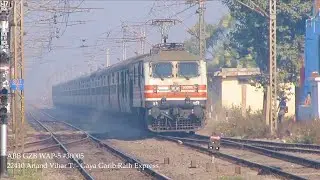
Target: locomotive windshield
{"x":162,"y":70}
{"x":188,"y":69}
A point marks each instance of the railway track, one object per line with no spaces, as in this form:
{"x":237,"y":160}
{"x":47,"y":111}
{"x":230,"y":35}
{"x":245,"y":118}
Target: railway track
{"x":275,"y":146}
{"x":180,"y":159}
{"x":89,"y":167}
{"x":246,"y":161}
{"x":263,"y":151}
{"x":272,"y":144}
{"x":307,"y":169}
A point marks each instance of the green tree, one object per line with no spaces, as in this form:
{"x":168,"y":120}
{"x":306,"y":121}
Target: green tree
{"x":251,"y":35}
{"x":218,"y":44}
{"x":224,"y":55}
{"x":192,"y":44}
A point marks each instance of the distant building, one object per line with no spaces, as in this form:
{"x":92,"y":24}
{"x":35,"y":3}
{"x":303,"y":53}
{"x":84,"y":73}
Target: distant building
{"x":232,"y":87}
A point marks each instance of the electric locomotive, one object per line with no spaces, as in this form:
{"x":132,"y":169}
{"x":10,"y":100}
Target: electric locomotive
{"x":166,"y":88}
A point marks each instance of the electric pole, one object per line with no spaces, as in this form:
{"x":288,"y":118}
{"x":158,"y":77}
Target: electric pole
{"x":271,"y":109}
{"x":273,"y":66}
{"x":124,"y":42}
{"x":108,"y":58}
{"x":18,"y":71}
{"x":132,"y":33}
{"x":202,"y":30}
{"x":142,"y":39}
{"x":272,"y":103}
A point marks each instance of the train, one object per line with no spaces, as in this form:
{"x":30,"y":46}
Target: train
{"x":166,"y":88}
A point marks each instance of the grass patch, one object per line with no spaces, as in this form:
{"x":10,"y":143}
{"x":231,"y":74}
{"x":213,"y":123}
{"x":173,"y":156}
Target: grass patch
{"x":24,"y":173}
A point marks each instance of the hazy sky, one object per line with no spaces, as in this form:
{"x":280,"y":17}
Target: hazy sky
{"x":68,"y":59}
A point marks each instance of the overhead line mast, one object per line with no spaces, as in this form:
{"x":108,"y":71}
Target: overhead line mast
{"x":202,"y":30}
{"x":13,"y":73}
{"x":17,"y":71}
{"x":271,"y":110}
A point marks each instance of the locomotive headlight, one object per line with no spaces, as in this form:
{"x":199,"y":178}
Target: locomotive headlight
{"x":163,"y":100}
{"x":198,"y":112}
{"x":188,"y":101}
{"x":155,"y":112}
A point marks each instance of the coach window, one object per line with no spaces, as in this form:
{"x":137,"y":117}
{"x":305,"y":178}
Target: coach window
{"x":125,"y":82}
{"x":134,"y":74}
{"x":118,"y":78}
{"x":139,"y":74}
{"x":105,"y":90}
{"x":122,"y":83}
{"x":142,"y":70}
{"x":97,"y":90}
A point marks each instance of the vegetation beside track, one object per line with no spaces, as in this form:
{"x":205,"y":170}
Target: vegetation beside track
{"x":232,"y":123}
{"x":306,"y":132}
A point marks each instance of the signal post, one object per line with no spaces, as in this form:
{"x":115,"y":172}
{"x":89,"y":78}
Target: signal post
{"x":11,"y":76}
{"x":5,"y":7}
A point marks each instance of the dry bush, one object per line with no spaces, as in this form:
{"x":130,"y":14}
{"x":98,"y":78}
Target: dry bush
{"x":304,"y":132}
{"x":231,"y":122}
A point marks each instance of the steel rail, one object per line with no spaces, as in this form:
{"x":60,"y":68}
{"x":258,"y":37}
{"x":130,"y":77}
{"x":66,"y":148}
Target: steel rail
{"x":288,"y":149}
{"x":118,"y":152}
{"x":32,"y":143}
{"x":79,"y":167}
{"x":293,"y":145}
{"x":263,"y":151}
{"x":236,"y":159}
{"x":57,"y":145}
{"x":278,"y":155}
{"x":274,"y":148}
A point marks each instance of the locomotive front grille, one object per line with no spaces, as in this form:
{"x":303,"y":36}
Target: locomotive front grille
{"x":181,"y":124}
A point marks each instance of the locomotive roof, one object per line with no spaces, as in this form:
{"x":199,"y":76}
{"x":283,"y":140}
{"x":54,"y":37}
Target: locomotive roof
{"x":161,"y":56}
